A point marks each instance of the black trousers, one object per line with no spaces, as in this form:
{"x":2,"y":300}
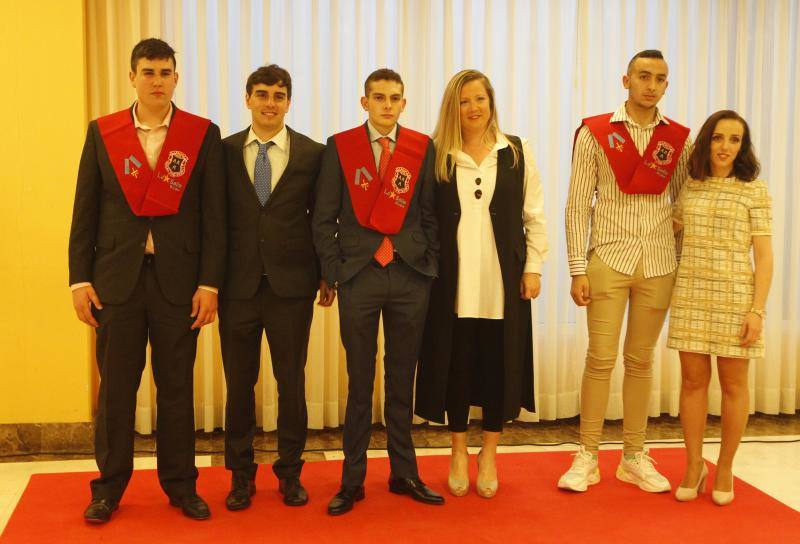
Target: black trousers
{"x":121,"y":343}
{"x":476,"y":372}
{"x":287,"y":323}
{"x":401,"y":294}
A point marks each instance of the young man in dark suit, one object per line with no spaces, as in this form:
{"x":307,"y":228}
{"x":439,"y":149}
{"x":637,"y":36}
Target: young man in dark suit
{"x":272,"y":277}
{"x":376,"y":235}
{"x":146,"y":257}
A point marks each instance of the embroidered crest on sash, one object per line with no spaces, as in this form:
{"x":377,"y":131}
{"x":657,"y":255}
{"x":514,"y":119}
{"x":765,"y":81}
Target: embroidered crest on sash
{"x":400,"y":183}
{"x":401,"y":180}
{"x":662,"y":155}
{"x":176,"y":164}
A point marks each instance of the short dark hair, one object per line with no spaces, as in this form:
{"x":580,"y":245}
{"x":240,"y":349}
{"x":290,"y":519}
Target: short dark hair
{"x":270,"y":75}
{"x":383,"y":74}
{"x":646,"y":54}
{"x":152,"y":48}
{"x":745,"y":165}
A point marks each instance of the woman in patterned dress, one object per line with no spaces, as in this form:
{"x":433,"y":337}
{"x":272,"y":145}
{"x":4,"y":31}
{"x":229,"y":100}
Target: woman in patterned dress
{"x":719,"y":297}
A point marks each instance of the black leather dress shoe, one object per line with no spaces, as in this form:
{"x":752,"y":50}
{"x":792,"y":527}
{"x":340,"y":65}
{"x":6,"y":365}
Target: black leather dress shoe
{"x":100,"y":510}
{"x":344,"y":500}
{"x":294,"y":494}
{"x":192,"y":506}
{"x":241,"y":491}
{"x":416,"y":489}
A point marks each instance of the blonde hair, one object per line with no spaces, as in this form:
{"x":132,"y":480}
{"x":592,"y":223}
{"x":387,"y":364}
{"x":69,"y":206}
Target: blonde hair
{"x":447,"y":135}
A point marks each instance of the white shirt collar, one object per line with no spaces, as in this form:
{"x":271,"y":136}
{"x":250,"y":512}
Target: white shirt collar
{"x":139,"y":124}
{"x":281,"y":139}
{"x":500,"y":143}
{"x":622,"y":115}
{"x":374,"y":134}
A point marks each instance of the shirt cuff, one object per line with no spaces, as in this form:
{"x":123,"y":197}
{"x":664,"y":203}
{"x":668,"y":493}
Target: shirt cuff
{"x":76,"y":286}
{"x":532,"y":267}
{"x":577,"y":267}
{"x":208,"y":288}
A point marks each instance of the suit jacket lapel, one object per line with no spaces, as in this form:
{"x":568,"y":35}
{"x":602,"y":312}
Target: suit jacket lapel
{"x":290,"y":165}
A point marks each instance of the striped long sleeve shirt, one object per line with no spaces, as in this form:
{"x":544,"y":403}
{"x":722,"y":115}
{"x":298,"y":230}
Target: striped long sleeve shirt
{"x":621,"y":228}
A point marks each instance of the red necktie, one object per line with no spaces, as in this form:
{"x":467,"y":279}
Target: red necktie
{"x":385,"y":252}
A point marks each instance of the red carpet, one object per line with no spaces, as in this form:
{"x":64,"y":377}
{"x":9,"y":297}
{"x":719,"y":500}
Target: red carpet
{"x":528,"y":508}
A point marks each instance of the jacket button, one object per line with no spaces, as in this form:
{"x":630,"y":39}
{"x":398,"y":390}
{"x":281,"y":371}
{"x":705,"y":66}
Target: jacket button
{"x":261,"y":240}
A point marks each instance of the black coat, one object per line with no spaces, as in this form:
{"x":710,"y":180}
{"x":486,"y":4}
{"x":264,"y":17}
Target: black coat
{"x":345,"y":246}
{"x":434,"y":364}
{"x":107,"y":241}
{"x":275,"y":238}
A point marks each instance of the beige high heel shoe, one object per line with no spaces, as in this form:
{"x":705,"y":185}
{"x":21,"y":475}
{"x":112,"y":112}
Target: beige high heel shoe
{"x":485,"y":488}
{"x":457,"y":486}
{"x":684,"y":494}
{"x":722,"y":498}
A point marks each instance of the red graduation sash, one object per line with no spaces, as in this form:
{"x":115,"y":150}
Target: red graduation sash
{"x":148,"y":192}
{"x":639,"y":174}
{"x":381,"y":204}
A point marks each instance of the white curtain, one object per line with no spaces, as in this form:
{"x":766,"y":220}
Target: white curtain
{"x":551,"y":63}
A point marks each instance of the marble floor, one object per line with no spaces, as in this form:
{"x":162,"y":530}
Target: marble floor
{"x":769,"y":457}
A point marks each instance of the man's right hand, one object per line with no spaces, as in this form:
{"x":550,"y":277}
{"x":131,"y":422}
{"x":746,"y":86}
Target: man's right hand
{"x":83,"y":298}
{"x":580,"y":290}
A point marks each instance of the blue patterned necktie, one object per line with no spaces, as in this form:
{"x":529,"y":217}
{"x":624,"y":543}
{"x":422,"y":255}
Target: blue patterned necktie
{"x":262,"y":174}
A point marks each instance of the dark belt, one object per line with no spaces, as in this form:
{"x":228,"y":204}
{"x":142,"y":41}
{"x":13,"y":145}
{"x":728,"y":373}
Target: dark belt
{"x":149,"y":258}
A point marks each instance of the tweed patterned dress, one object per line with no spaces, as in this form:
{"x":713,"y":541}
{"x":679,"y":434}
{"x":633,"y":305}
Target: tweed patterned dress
{"x":714,"y":284}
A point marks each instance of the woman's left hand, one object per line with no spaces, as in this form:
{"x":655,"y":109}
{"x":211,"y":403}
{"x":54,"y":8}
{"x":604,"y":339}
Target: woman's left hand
{"x":751,"y":328}
{"x":529,"y":285}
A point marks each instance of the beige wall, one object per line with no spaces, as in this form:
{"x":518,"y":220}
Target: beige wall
{"x":45,"y":369}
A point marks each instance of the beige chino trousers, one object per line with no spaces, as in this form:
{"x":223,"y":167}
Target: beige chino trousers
{"x":647,"y":301}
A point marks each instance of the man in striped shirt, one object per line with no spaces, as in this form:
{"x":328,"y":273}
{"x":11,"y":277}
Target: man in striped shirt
{"x":628,"y":168}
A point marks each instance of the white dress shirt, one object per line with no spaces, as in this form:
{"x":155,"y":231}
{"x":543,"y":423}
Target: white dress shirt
{"x":152,"y":140}
{"x":480,"y":283}
{"x":277,"y":154}
{"x":374,"y":136}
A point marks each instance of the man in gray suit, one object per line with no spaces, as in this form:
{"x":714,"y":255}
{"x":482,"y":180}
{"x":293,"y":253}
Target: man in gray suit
{"x":376,"y":236}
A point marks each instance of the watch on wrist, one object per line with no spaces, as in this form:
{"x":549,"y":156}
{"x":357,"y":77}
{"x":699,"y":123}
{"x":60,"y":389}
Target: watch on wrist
{"x":760,"y":313}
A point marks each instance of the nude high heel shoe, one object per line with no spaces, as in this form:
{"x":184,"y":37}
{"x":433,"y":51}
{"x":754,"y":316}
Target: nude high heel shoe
{"x":722,"y":498}
{"x":684,"y":494}
{"x":485,"y":488}
{"x":457,"y":486}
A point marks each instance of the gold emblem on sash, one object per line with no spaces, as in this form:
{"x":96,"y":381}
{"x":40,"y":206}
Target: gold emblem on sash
{"x":662,"y":155}
{"x":176,"y":164}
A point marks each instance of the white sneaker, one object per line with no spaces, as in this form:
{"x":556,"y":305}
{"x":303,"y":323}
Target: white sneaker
{"x":583,"y":472}
{"x":640,"y":471}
